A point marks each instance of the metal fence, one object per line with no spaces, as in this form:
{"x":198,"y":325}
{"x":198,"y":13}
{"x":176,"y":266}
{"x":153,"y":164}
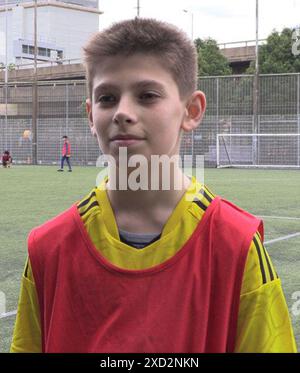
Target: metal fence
{"x":61,"y":111}
{"x":230,"y":108}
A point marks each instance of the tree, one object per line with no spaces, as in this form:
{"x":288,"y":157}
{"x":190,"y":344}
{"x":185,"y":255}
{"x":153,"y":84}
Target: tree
{"x":276,"y":55}
{"x":10,"y":67}
{"x":211,"y":62}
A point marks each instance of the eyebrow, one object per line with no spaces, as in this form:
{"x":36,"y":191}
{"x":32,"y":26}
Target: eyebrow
{"x":149,"y":84}
{"x":137,"y":85}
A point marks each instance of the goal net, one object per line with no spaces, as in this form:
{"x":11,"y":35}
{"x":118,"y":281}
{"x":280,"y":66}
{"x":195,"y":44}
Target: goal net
{"x":258,"y":150}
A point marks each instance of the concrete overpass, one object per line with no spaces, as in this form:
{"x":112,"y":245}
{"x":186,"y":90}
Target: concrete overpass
{"x":62,"y":70}
{"x":239,"y":54}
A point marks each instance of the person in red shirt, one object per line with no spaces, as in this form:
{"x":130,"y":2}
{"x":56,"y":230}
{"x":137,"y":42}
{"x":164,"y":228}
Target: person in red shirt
{"x":6,"y":159}
{"x":66,"y":154}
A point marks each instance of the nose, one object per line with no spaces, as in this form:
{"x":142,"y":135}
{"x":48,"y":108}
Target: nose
{"x":125,"y":112}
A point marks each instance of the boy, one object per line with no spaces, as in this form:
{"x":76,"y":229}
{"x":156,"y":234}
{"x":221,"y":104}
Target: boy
{"x":6,"y":159}
{"x":66,"y":154}
{"x":124,"y":270}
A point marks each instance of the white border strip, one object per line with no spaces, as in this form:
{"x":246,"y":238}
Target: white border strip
{"x":282,"y":238}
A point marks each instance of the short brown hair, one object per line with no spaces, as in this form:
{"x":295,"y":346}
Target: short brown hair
{"x":175,"y":50}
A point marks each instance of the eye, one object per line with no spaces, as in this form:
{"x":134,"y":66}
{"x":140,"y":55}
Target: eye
{"x":106,"y":99}
{"x":149,"y":96}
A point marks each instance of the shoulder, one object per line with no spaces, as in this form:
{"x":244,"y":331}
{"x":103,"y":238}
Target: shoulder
{"x":259,"y":268}
{"x":229,"y":210}
{"x":47,"y":242}
{"x":60,"y":225}
{"x":225,"y":212}
{"x":227,"y":215}
{"x":64,"y":222}
{"x":234,"y":219}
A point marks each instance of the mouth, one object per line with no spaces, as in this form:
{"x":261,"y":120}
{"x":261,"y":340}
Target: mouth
{"x":126,"y":140}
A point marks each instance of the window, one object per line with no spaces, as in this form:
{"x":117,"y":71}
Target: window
{"x":42,"y":51}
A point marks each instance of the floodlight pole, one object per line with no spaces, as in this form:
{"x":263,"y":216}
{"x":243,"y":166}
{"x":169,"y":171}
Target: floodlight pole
{"x":138,"y":8}
{"x":192,"y":25}
{"x":34,"y":92}
{"x":192,"y":22}
{"x":256,"y":89}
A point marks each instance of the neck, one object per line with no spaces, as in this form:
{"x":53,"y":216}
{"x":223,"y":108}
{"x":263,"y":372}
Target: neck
{"x":134,"y":191}
{"x":146,"y":211}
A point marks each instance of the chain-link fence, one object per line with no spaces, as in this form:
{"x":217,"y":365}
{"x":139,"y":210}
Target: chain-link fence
{"x":230,"y":109}
{"x":61,"y":111}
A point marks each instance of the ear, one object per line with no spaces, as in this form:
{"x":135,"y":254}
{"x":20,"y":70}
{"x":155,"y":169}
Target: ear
{"x":88,"y":108}
{"x":194,"y":111}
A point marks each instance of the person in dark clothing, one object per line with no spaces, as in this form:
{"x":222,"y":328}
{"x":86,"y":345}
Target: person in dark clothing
{"x":6,"y":159}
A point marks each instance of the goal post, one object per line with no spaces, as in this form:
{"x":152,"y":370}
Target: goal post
{"x":263,"y":150}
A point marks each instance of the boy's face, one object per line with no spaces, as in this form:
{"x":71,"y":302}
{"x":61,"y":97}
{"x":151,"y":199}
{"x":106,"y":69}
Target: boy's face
{"x":136,"y":104}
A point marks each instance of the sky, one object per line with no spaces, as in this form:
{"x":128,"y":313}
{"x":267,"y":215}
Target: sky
{"x":223,"y":20}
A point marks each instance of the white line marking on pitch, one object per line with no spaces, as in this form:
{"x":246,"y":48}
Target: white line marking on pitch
{"x":277,"y":217}
{"x":282,"y":238}
{"x":7,"y":314}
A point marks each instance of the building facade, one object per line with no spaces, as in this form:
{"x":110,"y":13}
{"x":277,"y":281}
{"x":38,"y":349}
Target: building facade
{"x":63,"y":27}
{"x":85,"y":3}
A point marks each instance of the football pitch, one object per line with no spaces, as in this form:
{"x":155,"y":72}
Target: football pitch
{"x":30,"y":195}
